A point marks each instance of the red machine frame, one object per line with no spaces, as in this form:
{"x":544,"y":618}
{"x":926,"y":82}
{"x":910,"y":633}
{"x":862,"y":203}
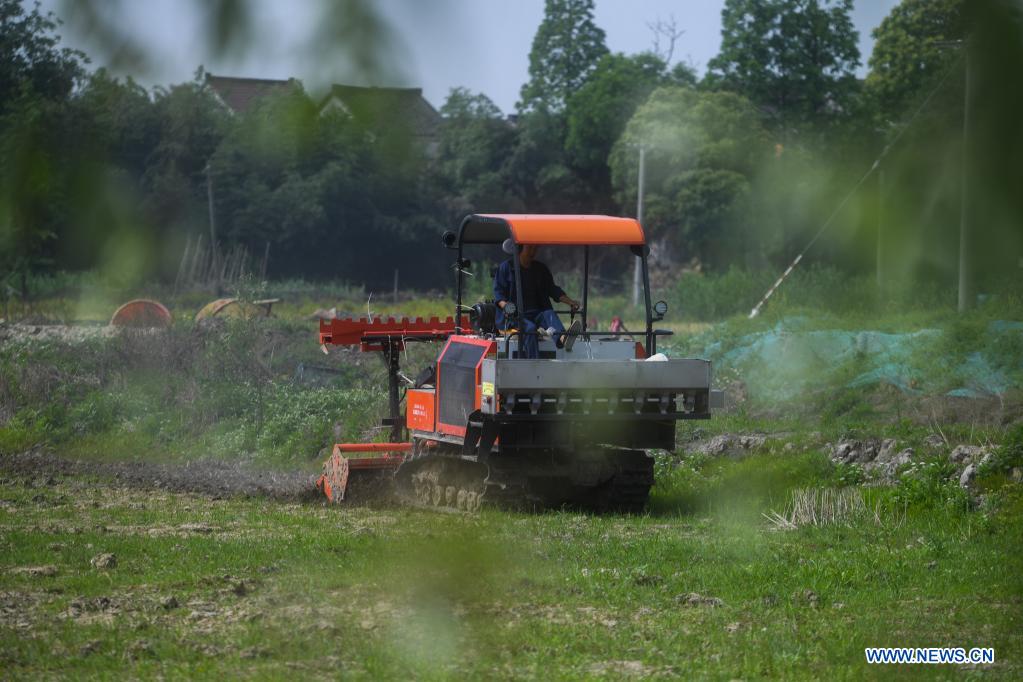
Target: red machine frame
{"x":490,"y":349}
{"x":389,"y":337}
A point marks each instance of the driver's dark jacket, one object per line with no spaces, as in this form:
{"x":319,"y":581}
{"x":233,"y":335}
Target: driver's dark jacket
{"x":504,"y":287}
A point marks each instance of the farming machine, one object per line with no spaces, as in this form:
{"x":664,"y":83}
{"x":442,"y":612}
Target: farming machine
{"x":485,"y":424}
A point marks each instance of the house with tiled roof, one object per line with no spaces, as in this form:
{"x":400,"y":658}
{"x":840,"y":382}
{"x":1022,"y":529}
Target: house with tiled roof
{"x":381,"y":108}
{"x":239,"y":95}
{"x":387,"y":108}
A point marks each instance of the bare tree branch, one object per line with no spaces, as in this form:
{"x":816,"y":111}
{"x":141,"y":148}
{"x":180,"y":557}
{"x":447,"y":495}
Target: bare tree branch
{"x":666,"y":34}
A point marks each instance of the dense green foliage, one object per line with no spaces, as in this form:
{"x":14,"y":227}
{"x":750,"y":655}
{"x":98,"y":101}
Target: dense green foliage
{"x":566,"y":49}
{"x":793,"y":58}
{"x":473,"y":161}
{"x":295,"y":176}
{"x":219,"y":391}
{"x":913,"y":50}
{"x":31,"y":58}
{"x":743,"y":166}
{"x":598,"y":111}
{"x":36,"y":75}
{"x":704,"y":148}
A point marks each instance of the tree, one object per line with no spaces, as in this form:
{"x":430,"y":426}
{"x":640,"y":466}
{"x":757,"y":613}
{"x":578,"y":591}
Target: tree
{"x":124,"y":123}
{"x":190,"y":127}
{"x":28,"y":179}
{"x":703,"y":149}
{"x":566,"y":49}
{"x":324,"y":190}
{"x":921,"y":51}
{"x":597,"y":112}
{"x":31,"y":56}
{"x":38,"y":156}
{"x":666,"y":34}
{"x":538,"y":172}
{"x":793,"y":58}
{"x":270,"y":174}
{"x":912,"y":52}
{"x":476,"y":144}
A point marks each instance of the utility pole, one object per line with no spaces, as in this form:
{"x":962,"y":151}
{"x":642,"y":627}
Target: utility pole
{"x":213,"y":224}
{"x":966,"y":293}
{"x":880,"y":229}
{"x":637,"y":276}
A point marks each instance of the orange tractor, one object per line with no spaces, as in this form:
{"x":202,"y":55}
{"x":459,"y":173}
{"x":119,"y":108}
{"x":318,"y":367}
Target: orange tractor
{"x":484,"y":424}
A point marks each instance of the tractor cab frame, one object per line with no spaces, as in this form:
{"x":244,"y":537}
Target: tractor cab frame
{"x":583,"y":231}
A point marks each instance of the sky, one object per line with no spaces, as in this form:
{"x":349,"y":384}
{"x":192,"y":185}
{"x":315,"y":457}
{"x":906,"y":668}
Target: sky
{"x":437,"y":45}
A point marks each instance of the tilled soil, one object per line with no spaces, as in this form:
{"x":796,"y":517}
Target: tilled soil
{"x":215,"y":478}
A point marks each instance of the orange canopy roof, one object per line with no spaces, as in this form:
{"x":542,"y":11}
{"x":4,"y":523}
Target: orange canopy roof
{"x":551,"y":229}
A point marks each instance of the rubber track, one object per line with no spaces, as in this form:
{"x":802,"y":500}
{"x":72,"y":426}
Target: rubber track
{"x":629,"y":490}
{"x":439,"y":482}
{"x":445,"y":483}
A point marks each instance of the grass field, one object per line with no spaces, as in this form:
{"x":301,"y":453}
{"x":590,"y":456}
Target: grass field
{"x":217,"y":574}
{"x":227,"y":587}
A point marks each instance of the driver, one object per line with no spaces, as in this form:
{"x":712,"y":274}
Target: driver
{"x":538,"y":288}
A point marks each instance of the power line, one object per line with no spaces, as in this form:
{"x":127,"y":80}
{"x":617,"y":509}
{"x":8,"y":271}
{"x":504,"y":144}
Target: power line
{"x":877,"y":163}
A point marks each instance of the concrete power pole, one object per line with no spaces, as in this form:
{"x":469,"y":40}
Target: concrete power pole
{"x":213,"y":225}
{"x":637,"y":272}
{"x":879,"y":265}
{"x":966,"y":292}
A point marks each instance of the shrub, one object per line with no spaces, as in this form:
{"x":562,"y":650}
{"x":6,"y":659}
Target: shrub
{"x":932,"y":484}
{"x":827,"y":289}
{"x":700,"y":483}
{"x":298,"y":423}
{"x":1007,"y":456}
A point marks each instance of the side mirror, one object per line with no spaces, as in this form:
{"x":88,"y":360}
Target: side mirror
{"x":660,"y":308}
{"x":509,"y":247}
{"x":449,"y":238}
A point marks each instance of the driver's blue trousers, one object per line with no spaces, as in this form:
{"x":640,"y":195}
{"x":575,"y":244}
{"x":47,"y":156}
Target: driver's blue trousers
{"x":533,"y":319}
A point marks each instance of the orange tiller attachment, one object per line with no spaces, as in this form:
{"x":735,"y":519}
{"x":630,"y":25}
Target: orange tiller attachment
{"x":339,"y":471}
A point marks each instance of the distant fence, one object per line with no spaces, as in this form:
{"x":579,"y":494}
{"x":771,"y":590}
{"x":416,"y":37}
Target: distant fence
{"x":205,"y":265}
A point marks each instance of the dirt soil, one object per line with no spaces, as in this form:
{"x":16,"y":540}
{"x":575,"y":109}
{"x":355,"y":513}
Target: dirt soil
{"x":55,"y":332}
{"x":209,"y":477}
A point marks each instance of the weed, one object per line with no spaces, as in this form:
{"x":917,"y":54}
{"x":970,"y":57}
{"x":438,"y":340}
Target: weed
{"x":830,"y":507}
{"x":243,"y":587}
{"x":931,"y":483}
{"x":1008,"y":455}
{"x":221,"y":390}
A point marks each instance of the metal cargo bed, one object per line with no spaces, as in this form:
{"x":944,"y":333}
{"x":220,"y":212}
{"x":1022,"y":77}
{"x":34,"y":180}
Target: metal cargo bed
{"x":673,"y":389}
